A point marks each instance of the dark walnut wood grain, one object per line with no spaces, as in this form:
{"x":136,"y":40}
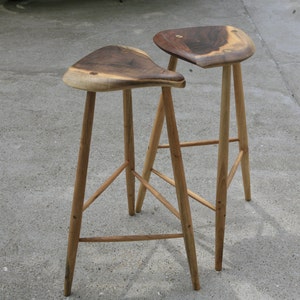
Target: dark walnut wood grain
{"x":118,"y":68}
{"x":208,"y":46}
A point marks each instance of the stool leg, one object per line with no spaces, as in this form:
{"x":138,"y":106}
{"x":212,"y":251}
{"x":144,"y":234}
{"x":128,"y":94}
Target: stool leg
{"x":153,"y":142}
{"x":151,"y":152}
{"x":129,"y":149}
{"x":242,"y":128}
{"x":181,"y":188}
{"x":221,"y":194}
{"x":79,"y":190}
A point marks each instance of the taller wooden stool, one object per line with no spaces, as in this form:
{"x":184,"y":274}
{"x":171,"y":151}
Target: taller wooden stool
{"x":122,"y":68}
{"x":209,"y":47}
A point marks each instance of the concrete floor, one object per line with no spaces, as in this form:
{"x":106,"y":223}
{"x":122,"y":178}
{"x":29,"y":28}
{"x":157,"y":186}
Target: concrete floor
{"x":40,"y":122}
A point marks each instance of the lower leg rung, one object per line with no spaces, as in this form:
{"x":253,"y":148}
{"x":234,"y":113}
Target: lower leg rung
{"x":190,"y":193}
{"x":198,"y":143}
{"x":130,"y":238}
{"x":157,"y":195}
{"x":105,"y":185}
{"x":234,"y":167}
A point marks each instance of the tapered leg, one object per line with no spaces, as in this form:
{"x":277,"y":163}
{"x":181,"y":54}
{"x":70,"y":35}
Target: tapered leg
{"x":129,"y":149}
{"x":151,"y":152}
{"x":79,"y":190}
{"x":181,"y":188}
{"x":221,"y":193}
{"x":242,"y":128}
{"x":153,"y":142}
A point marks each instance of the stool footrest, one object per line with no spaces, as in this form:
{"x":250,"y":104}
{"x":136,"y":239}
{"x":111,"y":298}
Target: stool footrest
{"x":105,"y":185}
{"x":157,"y":195}
{"x":190,"y":193}
{"x":199,"y":143}
{"x":130,"y":238}
{"x":234,"y":167}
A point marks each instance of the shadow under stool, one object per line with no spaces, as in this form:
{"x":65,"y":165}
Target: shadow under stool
{"x":209,"y":47}
{"x":122,"y":68}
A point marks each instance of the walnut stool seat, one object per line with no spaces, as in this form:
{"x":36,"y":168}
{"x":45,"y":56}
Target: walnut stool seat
{"x":123,"y":68}
{"x":208,"y":47}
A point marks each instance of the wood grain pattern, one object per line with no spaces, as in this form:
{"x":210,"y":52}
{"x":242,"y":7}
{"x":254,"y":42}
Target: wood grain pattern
{"x":118,"y":68}
{"x":208,"y":46}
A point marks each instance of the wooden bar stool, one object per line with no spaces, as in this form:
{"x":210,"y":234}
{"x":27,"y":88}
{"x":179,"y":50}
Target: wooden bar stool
{"x":123,"y":68}
{"x":209,"y":47}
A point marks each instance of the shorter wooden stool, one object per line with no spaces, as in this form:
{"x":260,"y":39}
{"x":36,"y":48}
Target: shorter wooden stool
{"x":122,"y":68}
{"x":209,"y":47}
